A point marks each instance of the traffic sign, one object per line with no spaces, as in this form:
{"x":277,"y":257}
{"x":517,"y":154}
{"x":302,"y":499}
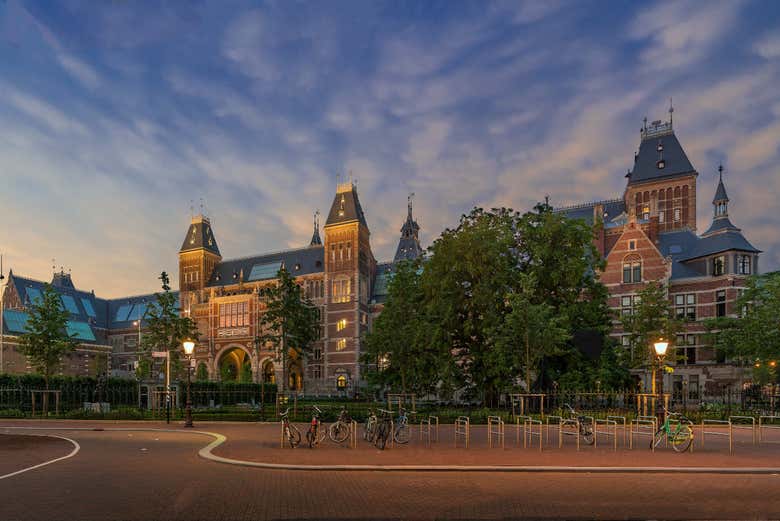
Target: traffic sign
{"x":159,"y":354}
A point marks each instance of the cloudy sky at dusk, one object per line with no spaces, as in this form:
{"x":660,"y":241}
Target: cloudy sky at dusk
{"x":115,"y":115}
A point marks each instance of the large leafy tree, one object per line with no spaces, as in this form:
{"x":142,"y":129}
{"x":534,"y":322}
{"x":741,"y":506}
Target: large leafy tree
{"x":166,"y":329}
{"x":652,"y":319}
{"x":754,"y":336}
{"x":46,"y":339}
{"x":397,"y":350}
{"x":290,"y":323}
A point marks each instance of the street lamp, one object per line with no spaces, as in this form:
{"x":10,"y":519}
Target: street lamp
{"x":189,"y":348}
{"x":660,"y":347}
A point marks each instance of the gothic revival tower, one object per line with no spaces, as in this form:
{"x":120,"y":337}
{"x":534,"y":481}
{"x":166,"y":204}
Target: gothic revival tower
{"x":198,"y":256}
{"x":349,"y":271}
{"x":662,"y":183}
{"x":409,"y":245}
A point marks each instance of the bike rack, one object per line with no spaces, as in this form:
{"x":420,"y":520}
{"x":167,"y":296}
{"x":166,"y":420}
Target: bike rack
{"x":520,"y":424}
{"x":353,"y":434}
{"x":607,"y":423}
{"x":429,"y":429}
{"x":561,"y":432}
{"x":713,"y":423}
{"x":745,"y":423}
{"x":528,"y":432}
{"x":639,"y":427}
{"x":495,"y":428}
{"x":462,"y":430}
{"x":771,"y":425}
{"x":620,"y":420}
{"x":547,"y":434}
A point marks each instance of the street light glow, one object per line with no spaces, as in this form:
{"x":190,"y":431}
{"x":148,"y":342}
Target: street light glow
{"x":189,"y":347}
{"x":660,"y":347}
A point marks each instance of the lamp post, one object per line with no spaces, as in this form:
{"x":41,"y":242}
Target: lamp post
{"x":2,"y":311}
{"x":660,"y":347}
{"x":189,"y":348}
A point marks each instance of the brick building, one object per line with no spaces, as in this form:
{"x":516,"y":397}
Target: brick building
{"x":650,"y":235}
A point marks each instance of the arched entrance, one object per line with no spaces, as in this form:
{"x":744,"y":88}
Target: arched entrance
{"x":269,"y":373}
{"x":295,"y":376}
{"x":235,"y":366}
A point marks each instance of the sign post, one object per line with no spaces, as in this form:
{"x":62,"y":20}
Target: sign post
{"x":167,"y":356}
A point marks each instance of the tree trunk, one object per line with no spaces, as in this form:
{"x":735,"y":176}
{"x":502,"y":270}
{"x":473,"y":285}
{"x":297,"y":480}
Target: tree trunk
{"x":46,"y":394}
{"x":527,"y":363}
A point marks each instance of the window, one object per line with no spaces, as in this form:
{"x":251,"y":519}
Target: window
{"x":743,"y":264}
{"x":718,"y":265}
{"x":341,"y":381}
{"x":632,"y":245}
{"x":632,"y":271}
{"x":627,"y":303}
{"x":646,"y":212}
{"x":341,"y":324}
{"x":693,"y":387}
{"x":676,"y":215}
{"x":687,"y":350}
{"x":234,"y":314}
{"x":364,"y":319}
{"x":625,"y":340}
{"x":720,"y":303}
{"x":318,"y":353}
{"x":661,"y":216}
{"x":316,"y":372}
{"x":685,"y":306}
{"x":341,"y":344}
{"x":661,"y":164}
{"x":341,"y":290}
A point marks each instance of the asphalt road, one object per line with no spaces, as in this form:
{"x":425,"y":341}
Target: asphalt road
{"x":159,"y":476}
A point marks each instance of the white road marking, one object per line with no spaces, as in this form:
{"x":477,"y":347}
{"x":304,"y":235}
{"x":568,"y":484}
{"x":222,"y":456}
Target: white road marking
{"x":76,"y":448}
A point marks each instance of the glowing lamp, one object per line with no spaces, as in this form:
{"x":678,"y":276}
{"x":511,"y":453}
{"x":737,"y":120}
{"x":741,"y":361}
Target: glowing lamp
{"x":660,"y":347}
{"x":189,"y":347}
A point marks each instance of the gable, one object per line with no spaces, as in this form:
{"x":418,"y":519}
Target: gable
{"x":654,"y":264}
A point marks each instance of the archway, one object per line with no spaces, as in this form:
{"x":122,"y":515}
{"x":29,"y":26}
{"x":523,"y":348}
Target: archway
{"x":269,"y":372}
{"x":294,"y":376}
{"x":235,"y":366}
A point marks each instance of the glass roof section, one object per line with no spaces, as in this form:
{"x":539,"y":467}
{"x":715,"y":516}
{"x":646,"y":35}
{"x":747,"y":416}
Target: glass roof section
{"x":15,"y":321}
{"x":265,"y":271}
{"x":70,"y":304}
{"x":80,"y":331}
{"x":122,"y":313}
{"x":139,"y":310}
{"x":34,"y":294}
{"x":88,"y":307}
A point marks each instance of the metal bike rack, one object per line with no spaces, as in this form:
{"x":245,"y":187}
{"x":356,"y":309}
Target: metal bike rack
{"x":520,"y":425}
{"x":767,"y":422}
{"x":495,"y":427}
{"x":745,"y":423}
{"x":620,"y":420}
{"x":565,"y":422}
{"x":462,"y":430}
{"x":528,"y":432}
{"x":353,"y":434}
{"x":713,"y":423}
{"x":643,"y":426}
{"x":554,"y":421}
{"x":611,"y":430}
{"x":429,"y":429}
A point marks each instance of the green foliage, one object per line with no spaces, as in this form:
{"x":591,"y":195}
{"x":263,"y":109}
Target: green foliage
{"x":46,"y":339}
{"x":290,"y":323}
{"x":754,"y":337}
{"x":651,"y":320}
{"x":202,"y":373}
{"x":165,"y":331}
{"x":245,"y":375}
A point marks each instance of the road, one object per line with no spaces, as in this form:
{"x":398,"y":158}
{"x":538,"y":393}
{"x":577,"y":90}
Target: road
{"x":145,"y":475}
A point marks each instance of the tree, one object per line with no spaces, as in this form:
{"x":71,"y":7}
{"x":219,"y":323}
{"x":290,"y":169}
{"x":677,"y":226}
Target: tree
{"x":651,"y":320}
{"x":290,"y":323}
{"x":397,"y":350}
{"x":753,"y":337}
{"x":46,"y":339}
{"x":165,"y":330}
{"x":530,"y":332}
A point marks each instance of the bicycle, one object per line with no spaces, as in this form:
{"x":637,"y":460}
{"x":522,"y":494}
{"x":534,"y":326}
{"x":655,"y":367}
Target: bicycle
{"x":383,"y":429}
{"x":402,"y":430}
{"x":291,"y":433}
{"x":339,"y":431}
{"x":586,"y":427}
{"x":316,"y":434}
{"x":680,"y":437}
{"x":369,"y":428}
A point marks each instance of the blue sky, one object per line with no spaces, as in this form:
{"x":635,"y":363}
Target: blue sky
{"x":115,"y":115}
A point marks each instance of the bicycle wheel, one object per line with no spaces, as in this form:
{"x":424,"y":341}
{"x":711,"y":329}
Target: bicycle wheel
{"x":380,"y":439}
{"x":658,"y":438}
{"x":293,"y":436}
{"x":311,"y":437}
{"x":369,"y":430}
{"x":402,"y":433}
{"x":587,"y":434}
{"x":682,"y":438}
{"x":338,"y":432}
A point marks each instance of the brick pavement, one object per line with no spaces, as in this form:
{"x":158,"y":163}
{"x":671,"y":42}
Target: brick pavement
{"x":112,"y":478}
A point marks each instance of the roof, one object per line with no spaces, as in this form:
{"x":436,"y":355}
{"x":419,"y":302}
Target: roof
{"x":122,"y":312}
{"x":15,"y":322}
{"x":300,"y":261}
{"x":678,"y":245}
{"x":660,"y":155}
{"x":613,"y":208}
{"x":384,"y":272}
{"x":729,"y":240}
{"x":346,"y":206}
{"x":720,"y":193}
{"x":200,"y":236}
{"x":720,"y":224}
{"x":409,"y":244}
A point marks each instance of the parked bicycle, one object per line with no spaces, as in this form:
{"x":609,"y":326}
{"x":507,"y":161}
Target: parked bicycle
{"x":383,"y":428}
{"x":291,"y":433}
{"x":586,"y":426}
{"x":338,"y":432}
{"x":677,"y":429}
{"x":316,"y":433}
{"x":402,"y":431}
{"x":369,"y":428}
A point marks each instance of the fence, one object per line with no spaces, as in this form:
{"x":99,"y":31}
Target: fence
{"x":462,"y":430}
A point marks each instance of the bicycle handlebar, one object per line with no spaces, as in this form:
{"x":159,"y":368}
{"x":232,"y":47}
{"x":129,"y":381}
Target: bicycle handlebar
{"x":285,"y":413}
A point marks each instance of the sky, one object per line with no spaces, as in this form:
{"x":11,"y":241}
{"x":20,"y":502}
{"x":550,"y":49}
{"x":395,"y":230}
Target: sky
{"x":116,"y":116}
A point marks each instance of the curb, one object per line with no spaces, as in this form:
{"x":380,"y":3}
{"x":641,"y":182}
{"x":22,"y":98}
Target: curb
{"x":207,"y":454}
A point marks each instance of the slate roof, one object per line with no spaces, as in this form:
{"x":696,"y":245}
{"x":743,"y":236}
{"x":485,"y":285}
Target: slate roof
{"x":720,"y":193}
{"x":720,"y":224}
{"x":730,"y":240}
{"x":409,"y":244}
{"x":310,"y":259}
{"x":678,"y":245}
{"x":200,"y":236}
{"x":647,"y":159}
{"x":612,"y":209}
{"x":346,"y":206}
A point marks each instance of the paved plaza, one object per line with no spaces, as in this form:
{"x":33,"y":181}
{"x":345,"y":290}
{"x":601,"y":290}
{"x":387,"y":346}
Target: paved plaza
{"x":151,"y":474}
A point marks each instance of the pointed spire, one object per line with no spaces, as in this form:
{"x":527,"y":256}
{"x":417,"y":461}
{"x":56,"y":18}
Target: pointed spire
{"x":315,"y":238}
{"x":671,"y":111}
{"x":409,"y":245}
{"x":720,"y":192}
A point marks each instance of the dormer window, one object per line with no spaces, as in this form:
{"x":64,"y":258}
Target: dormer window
{"x":297,"y":267}
{"x":744,"y":264}
{"x":660,"y":147}
{"x":660,"y":164}
{"x":718,"y":265}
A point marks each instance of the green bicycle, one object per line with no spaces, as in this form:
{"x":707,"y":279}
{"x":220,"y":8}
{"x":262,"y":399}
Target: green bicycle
{"x":677,"y":429}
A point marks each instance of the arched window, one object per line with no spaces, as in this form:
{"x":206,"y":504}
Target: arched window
{"x":341,"y":382}
{"x":341,"y":290}
{"x":632,"y":269}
